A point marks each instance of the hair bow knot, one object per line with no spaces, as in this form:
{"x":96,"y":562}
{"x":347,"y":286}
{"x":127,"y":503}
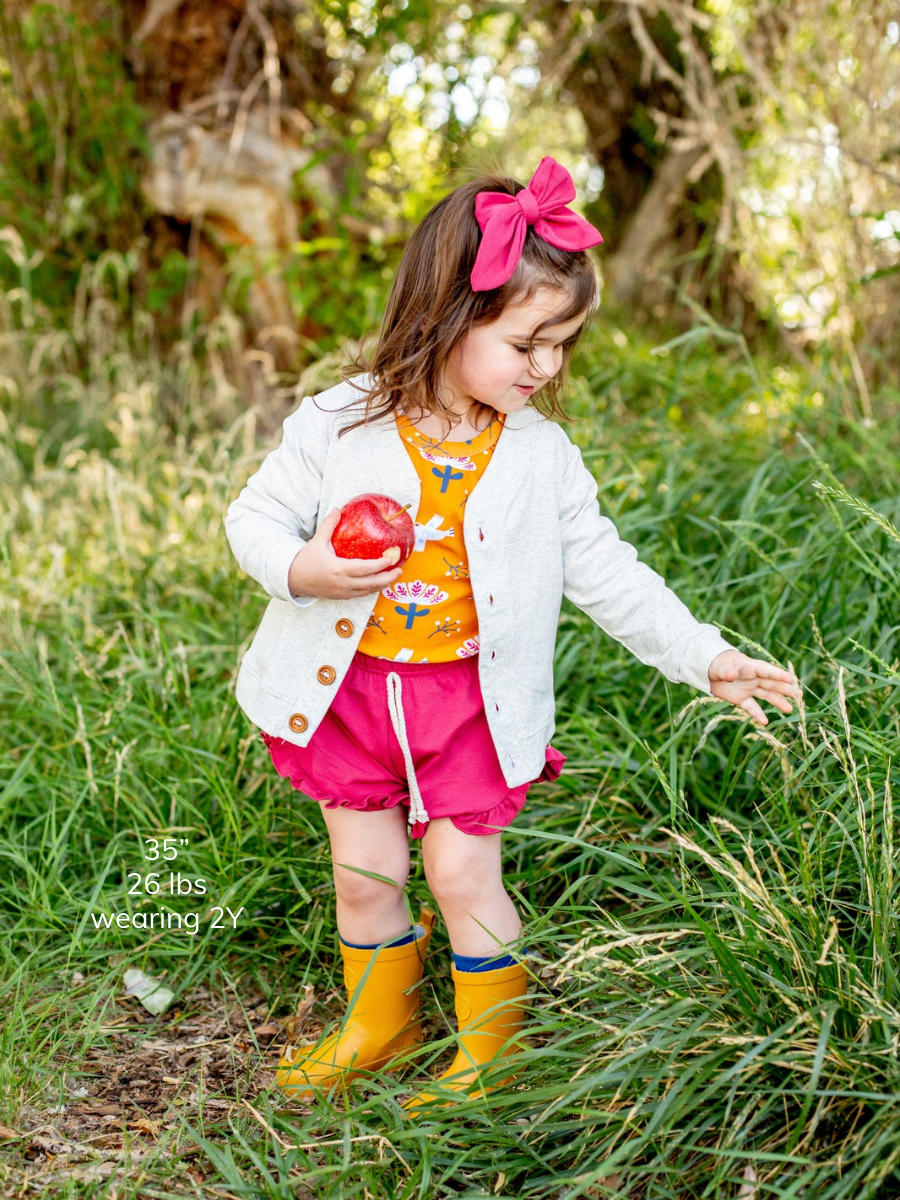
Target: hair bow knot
{"x":504,"y":222}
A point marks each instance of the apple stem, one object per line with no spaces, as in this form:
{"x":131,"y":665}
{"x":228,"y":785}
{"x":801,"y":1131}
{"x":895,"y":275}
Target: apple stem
{"x":399,"y":511}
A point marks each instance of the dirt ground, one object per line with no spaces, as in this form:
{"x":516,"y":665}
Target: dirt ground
{"x":125,"y":1106}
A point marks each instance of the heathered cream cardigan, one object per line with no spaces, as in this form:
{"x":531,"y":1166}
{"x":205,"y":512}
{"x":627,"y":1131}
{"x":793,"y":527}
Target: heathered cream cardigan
{"x":533,"y":533}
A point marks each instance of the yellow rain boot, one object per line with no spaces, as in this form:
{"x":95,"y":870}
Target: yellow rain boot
{"x":490,"y":1011}
{"x":381,"y":1018}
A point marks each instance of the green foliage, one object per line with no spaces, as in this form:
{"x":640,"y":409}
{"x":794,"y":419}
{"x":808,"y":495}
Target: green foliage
{"x":72,"y":144}
{"x":335,"y":278}
{"x":167,"y":283}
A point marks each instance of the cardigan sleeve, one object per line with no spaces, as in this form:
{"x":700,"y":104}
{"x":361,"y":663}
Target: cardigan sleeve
{"x":631,"y":602}
{"x":276,"y":513}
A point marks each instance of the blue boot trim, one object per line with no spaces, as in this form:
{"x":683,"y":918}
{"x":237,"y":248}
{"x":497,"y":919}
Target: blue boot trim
{"x":405,"y":939}
{"x":473,"y":964}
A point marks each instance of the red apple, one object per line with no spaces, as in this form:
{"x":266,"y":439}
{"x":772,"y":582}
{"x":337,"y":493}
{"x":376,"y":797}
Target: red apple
{"x":370,"y":524}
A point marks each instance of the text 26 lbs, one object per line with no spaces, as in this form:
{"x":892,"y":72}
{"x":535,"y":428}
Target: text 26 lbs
{"x":179,"y":885}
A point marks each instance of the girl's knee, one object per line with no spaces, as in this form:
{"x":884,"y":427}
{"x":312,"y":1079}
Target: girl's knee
{"x":462,"y":872}
{"x":369,"y":881}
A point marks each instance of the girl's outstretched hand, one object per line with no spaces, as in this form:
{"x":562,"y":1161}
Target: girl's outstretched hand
{"x":742,"y":681}
{"x":317,"y":570}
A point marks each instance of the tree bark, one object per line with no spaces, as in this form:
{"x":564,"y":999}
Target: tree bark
{"x":628,"y":273}
{"x":663,"y":189}
{"x":228,"y":83}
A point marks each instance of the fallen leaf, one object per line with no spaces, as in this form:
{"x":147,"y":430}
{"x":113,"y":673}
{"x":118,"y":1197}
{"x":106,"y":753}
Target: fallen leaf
{"x":309,"y":999}
{"x":748,"y":1189}
{"x":293,"y":1026}
{"x":46,"y":1147}
{"x":107,"y":1141}
{"x":152,"y":993}
{"x":144,"y":1126}
{"x":92,"y":1174}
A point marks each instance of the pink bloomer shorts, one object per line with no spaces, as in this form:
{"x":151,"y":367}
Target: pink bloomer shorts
{"x":355,"y":760}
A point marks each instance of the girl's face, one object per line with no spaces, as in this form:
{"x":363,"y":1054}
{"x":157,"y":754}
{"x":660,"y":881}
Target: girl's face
{"x":491,"y":364}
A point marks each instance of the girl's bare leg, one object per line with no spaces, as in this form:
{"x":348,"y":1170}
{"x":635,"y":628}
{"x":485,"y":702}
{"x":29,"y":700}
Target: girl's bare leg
{"x":369,"y":910}
{"x":465,"y":876}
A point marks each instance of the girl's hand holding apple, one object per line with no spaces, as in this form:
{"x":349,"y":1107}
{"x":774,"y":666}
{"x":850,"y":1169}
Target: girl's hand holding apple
{"x":318,"y":571}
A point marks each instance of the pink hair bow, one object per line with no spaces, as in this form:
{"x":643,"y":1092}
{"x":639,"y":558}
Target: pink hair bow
{"x":504,"y":220}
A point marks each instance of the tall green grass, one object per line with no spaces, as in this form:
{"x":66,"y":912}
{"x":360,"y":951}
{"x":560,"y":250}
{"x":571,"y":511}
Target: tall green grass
{"x":716,"y":905}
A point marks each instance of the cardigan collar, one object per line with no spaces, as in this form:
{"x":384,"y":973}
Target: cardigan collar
{"x":502,"y":475}
{"x":520,"y":419}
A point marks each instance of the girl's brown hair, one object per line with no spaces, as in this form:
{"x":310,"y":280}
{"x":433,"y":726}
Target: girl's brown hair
{"x":432,"y":307}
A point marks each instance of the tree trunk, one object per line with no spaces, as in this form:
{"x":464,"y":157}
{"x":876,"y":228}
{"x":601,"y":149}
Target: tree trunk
{"x":227,"y":82}
{"x":635,"y":78}
{"x":628,"y":268}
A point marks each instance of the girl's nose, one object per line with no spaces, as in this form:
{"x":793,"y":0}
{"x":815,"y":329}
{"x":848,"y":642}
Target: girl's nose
{"x":545,"y":363}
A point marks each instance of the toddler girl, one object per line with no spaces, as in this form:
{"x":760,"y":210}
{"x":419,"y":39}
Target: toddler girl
{"x":422,"y":693}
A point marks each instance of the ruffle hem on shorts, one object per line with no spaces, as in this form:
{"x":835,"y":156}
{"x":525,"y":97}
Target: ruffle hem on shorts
{"x":481,"y":824}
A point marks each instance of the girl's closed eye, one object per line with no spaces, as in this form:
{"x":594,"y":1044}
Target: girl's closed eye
{"x":560,"y":345}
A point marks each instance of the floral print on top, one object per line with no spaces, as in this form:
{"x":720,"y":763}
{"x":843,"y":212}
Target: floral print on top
{"x":428,"y":613}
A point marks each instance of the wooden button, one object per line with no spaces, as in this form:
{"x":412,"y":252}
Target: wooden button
{"x":298,"y":722}
{"x":344,"y":627}
{"x":325,"y":674}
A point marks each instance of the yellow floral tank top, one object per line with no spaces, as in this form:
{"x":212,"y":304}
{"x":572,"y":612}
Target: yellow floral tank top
{"x":428,"y":613}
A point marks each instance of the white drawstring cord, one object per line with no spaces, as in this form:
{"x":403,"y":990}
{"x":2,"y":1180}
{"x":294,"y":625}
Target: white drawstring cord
{"x":395,"y":708}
